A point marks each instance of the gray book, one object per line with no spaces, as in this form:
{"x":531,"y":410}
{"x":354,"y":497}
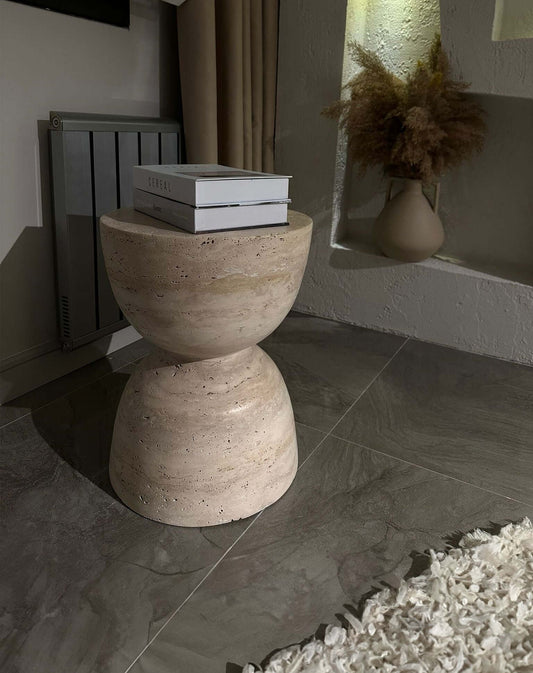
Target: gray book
{"x":210,"y":184}
{"x":215,"y":218}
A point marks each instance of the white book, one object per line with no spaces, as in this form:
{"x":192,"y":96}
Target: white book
{"x":216,"y":218}
{"x":210,"y":184}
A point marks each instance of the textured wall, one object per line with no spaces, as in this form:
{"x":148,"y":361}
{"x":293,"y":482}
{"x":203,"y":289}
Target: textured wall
{"x":432,"y":301}
{"x":503,"y":68}
{"x":487,"y":203}
{"x":399,"y":31}
{"x":513,"y":20}
{"x":435,"y":301}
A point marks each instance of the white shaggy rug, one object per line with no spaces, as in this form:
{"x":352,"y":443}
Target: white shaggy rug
{"x":472,"y":610}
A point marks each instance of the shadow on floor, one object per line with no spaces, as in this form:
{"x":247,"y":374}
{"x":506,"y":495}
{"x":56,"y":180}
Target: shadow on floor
{"x":79,"y":427}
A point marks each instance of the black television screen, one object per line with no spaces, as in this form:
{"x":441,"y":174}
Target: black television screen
{"x":115,"y":12}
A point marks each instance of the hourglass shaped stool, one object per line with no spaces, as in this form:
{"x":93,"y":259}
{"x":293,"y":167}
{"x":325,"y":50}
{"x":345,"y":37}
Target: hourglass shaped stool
{"x":204,"y":432}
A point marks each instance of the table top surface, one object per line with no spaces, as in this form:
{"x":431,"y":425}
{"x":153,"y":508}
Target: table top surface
{"x":134,"y":222}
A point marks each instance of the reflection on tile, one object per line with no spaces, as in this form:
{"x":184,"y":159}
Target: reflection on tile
{"x":79,"y":426}
{"x":85,"y":582}
{"x":353,"y":520}
{"x":460,"y":414}
{"x":326,"y":365}
{"x":20,"y":406}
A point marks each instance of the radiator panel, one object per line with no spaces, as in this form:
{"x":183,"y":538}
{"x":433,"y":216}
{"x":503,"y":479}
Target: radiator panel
{"x":105,"y":200}
{"x":170,"y":148}
{"x":150,"y":149}
{"x":80,"y":225}
{"x":128,"y":156}
{"x":92,"y":158}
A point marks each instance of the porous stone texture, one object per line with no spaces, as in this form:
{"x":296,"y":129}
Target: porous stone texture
{"x":204,"y":442}
{"x":205,"y":431}
{"x":203,"y":295}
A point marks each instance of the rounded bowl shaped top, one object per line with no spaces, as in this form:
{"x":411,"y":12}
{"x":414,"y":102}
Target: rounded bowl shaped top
{"x":203,"y":295}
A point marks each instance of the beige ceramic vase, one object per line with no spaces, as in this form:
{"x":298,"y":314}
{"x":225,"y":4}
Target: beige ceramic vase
{"x":408,"y":228}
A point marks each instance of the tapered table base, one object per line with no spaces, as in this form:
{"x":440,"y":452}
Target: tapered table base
{"x":204,"y":432}
{"x":206,"y":442}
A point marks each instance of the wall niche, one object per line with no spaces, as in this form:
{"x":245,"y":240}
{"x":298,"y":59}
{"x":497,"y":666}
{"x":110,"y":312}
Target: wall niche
{"x":486,"y":204}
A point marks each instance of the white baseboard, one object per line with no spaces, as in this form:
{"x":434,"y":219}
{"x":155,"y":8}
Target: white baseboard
{"x":36,"y":372}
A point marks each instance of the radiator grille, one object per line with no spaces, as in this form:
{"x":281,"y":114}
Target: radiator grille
{"x":65,"y":316}
{"x":92,"y":158}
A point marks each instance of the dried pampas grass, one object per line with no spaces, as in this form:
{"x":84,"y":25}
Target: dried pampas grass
{"x":415,"y":128}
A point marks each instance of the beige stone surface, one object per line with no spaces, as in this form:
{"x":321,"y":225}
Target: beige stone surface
{"x":205,"y":431}
{"x":203,"y":295}
{"x":204,"y":442}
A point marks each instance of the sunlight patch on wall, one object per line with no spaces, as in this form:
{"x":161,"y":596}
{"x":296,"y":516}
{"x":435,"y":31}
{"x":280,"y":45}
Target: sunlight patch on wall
{"x":401,"y":33}
{"x":513,"y":20}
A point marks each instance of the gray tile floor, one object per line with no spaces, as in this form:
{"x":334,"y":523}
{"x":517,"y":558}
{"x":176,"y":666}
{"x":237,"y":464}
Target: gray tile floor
{"x":403,"y":446}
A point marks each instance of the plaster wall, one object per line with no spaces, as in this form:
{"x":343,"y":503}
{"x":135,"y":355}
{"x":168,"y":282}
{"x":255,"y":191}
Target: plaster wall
{"x":446,"y":303}
{"x":399,"y":32}
{"x":493,"y":67}
{"x":513,"y":20}
{"x":50,"y":61}
{"x":486,"y":204}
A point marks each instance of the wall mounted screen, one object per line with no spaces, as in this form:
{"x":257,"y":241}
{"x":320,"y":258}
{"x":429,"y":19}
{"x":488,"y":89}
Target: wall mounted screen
{"x":115,"y":12}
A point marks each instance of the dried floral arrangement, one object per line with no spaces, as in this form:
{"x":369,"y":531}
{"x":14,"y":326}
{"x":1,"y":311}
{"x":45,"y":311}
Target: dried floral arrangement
{"x":416,"y":128}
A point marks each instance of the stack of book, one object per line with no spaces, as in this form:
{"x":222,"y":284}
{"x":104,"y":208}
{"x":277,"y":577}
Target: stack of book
{"x":210,"y":197}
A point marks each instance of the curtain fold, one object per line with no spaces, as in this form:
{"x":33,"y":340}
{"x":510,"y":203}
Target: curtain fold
{"x":256,"y":39}
{"x":198,"y":74}
{"x":247,"y":83}
{"x":270,"y":66}
{"x":228,"y":69}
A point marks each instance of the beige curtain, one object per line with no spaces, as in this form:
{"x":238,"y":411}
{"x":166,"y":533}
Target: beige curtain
{"x":228,"y":64}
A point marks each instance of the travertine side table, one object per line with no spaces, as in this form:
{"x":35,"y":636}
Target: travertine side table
{"x":204,"y":432}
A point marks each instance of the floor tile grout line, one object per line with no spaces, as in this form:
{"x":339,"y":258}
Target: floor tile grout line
{"x":126,"y":364}
{"x":300,"y":465}
{"x":363,"y":446}
{"x":310,"y":427}
{"x":369,"y":385}
{"x":19,"y":418}
{"x":70,"y":392}
{"x":326,"y":435}
{"x":191,"y":594}
{"x":352,"y":405}
{"x":377,"y":330}
{"x":433,"y":471}
{"x":182,"y":604}
{"x":256,"y":517}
